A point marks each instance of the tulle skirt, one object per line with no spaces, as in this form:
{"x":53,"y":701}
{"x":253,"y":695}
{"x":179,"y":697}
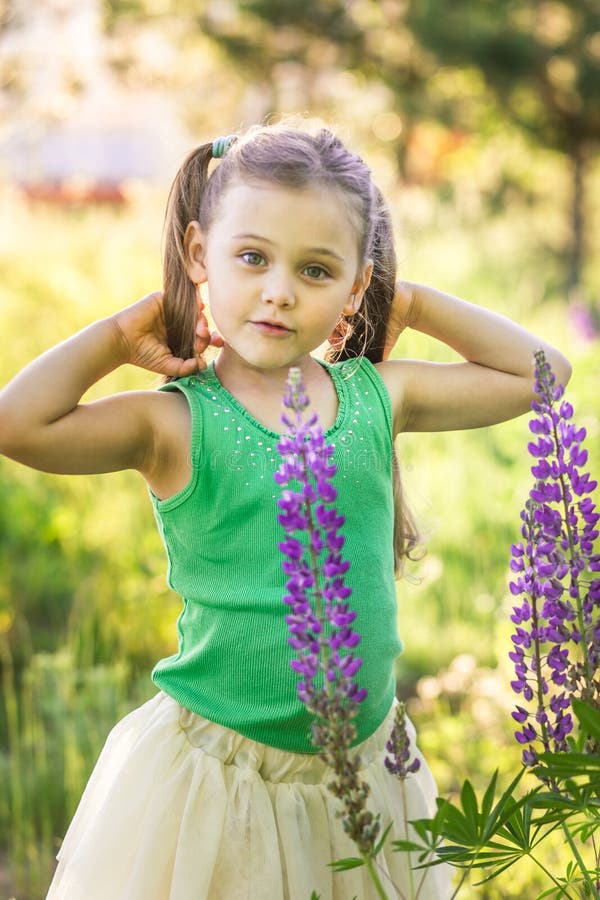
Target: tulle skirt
{"x":179,"y":808}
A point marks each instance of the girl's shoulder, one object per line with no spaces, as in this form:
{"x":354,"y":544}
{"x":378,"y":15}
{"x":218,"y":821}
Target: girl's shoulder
{"x":359,"y":382}
{"x":168,"y":466}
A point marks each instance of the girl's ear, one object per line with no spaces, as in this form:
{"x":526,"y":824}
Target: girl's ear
{"x":194,"y":245}
{"x":359,"y":287}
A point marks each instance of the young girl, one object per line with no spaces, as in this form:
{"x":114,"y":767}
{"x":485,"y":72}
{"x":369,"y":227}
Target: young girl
{"x":212,"y":789}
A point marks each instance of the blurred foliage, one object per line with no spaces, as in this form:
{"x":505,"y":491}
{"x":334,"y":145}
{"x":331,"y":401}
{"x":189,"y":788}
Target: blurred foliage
{"x":542,"y":64}
{"x":84,"y":608}
{"x":471,"y":143}
{"x":55,"y":715}
{"x":462,"y":715}
{"x":425,"y":80}
{"x":471,"y":67}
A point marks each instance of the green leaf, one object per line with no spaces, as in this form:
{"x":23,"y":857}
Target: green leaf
{"x":407,"y":846}
{"x":554,"y":801}
{"x":504,"y":808}
{"x":589,"y":717}
{"x":430,"y":830}
{"x":568,"y":765}
{"x":458,"y":830}
{"x":498,"y":871}
{"x":488,"y":797}
{"x":379,"y":846}
{"x":468,"y":801}
{"x":315,"y":896}
{"x":351,"y":862}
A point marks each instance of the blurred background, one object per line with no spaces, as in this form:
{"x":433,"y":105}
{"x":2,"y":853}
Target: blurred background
{"x":481,"y":122}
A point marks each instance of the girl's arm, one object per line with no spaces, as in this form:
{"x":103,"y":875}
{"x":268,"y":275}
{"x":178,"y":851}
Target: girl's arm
{"x":42,"y":422}
{"x":494,"y":383}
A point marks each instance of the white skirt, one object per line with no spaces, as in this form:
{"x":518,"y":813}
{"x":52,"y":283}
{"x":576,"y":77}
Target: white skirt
{"x":178,"y":808}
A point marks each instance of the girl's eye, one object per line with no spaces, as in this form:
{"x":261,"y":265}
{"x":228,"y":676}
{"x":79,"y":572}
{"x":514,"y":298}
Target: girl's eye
{"x":252,"y":258}
{"x":317,"y":272}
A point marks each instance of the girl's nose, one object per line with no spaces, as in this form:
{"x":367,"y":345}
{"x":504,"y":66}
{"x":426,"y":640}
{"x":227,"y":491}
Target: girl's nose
{"x":278,"y":290}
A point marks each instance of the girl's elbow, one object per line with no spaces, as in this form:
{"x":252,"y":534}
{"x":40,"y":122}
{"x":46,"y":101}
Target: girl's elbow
{"x":17,"y":438}
{"x":560,"y":365}
{"x":13,"y":444}
{"x":562,"y":369}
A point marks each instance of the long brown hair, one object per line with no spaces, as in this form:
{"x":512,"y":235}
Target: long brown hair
{"x":294,"y":158}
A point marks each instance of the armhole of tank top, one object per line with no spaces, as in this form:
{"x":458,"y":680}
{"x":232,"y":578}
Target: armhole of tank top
{"x":185,"y":387}
{"x":367,"y":367}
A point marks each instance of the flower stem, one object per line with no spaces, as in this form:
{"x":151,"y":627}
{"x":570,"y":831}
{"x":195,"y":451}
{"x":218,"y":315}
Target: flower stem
{"x":463,"y":878}
{"x":375,"y":877}
{"x":411,"y":884}
{"x":580,"y":862}
{"x":561,"y":887}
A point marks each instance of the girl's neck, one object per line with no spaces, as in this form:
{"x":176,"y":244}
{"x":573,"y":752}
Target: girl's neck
{"x":261,"y":391}
{"x":238,"y":377}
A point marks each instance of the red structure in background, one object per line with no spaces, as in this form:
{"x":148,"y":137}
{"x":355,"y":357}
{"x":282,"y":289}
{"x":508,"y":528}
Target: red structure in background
{"x":76,"y":193}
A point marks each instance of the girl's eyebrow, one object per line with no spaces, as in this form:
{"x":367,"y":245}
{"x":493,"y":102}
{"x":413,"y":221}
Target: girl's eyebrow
{"x":323,"y":251}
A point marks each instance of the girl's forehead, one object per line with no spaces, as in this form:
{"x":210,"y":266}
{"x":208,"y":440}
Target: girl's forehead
{"x":318,"y":212}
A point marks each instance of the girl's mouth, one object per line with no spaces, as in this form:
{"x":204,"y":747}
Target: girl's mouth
{"x":272,"y":328}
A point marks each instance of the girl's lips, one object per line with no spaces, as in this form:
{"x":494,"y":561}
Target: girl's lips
{"x":272,"y":328}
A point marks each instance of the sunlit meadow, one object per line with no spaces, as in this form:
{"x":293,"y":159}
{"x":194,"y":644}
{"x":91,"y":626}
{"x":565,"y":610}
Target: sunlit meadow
{"x":84,"y":607}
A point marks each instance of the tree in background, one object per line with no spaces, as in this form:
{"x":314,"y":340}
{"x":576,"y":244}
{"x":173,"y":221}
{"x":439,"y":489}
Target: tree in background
{"x":538,"y":62}
{"x":465,"y":65}
{"x":542,"y":63}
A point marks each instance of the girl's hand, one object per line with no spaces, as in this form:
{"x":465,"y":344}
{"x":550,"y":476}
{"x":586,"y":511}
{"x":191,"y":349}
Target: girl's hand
{"x":44,"y":424}
{"x":401,"y":315}
{"x":492,"y":383}
{"x":144,"y":337}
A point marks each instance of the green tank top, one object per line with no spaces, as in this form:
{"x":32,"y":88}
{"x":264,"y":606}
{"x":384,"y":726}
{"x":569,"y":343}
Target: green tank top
{"x":221,"y":536}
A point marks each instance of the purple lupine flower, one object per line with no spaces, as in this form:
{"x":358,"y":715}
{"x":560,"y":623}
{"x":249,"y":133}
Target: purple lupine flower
{"x":585,"y":318}
{"x":320,"y":619}
{"x":556,"y":642}
{"x":400,"y":763}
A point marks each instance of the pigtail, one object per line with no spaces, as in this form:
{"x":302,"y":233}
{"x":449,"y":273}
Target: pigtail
{"x":180,"y":298}
{"x":364,"y":334}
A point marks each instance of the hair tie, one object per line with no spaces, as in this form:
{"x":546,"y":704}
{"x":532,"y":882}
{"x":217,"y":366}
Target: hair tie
{"x":222,"y":144}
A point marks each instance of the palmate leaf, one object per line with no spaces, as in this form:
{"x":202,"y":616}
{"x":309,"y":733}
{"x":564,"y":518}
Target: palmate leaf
{"x":554,"y":891}
{"x":589,"y":717}
{"x":468,"y":831}
{"x":575,"y":802}
{"x":379,"y":846}
{"x":568,"y":765}
{"x":468,"y":801}
{"x":430,"y":830}
{"x":350,"y":862}
{"x":430,"y":833}
{"x":407,"y":846}
{"x":517,"y":827}
{"x":586,"y":828}
{"x":572,"y":879}
{"x":474,"y":828}
{"x":576,"y":799}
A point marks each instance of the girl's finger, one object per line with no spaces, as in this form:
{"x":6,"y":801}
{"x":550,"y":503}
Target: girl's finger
{"x":202,"y":326}
{"x":177,"y":367}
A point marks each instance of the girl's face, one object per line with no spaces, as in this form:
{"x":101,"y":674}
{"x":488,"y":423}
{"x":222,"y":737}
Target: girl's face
{"x":282,"y":265}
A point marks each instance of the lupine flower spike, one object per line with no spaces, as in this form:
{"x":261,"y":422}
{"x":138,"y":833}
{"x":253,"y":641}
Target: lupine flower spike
{"x":320,"y":619}
{"x":400,"y":763}
{"x":556,"y":644}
